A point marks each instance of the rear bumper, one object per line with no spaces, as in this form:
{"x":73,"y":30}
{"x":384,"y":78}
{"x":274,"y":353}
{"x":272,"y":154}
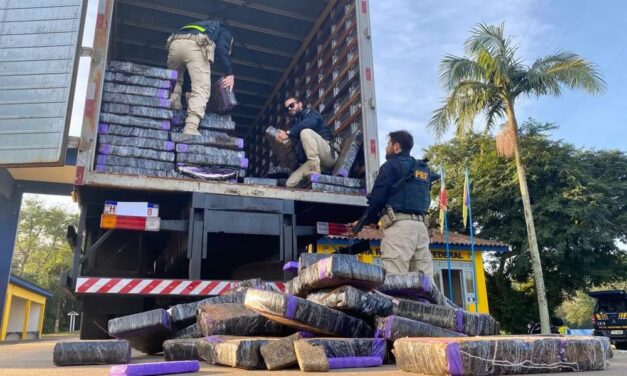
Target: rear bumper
{"x":613,"y":337}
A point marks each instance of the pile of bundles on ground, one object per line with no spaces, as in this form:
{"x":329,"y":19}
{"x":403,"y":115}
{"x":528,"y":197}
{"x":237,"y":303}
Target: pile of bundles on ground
{"x":336,"y":313}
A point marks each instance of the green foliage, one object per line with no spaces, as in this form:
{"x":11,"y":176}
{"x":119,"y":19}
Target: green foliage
{"x":42,"y":253}
{"x":577,"y":310}
{"x":578,"y":197}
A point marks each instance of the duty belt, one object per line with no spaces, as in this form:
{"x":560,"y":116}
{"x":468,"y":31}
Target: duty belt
{"x":407,"y":216}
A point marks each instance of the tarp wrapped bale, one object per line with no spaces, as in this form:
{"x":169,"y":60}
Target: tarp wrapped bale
{"x":261,"y":181}
{"x":455,"y":319}
{"x":235,"y":319}
{"x":210,"y":160}
{"x":350,"y":150}
{"x":142,"y":70}
{"x":501,"y":355}
{"x":218,"y":122}
{"x":337,"y":189}
{"x":353,"y":301}
{"x":134,"y":121}
{"x":180,"y":349}
{"x":79,"y":353}
{"x":127,"y":151}
{"x":305,"y":260}
{"x":284,"y":151}
{"x":184,"y":315}
{"x":280,"y":354}
{"x":143,"y":111}
{"x":337,"y":271}
{"x":192,"y":331}
{"x":209,"y":150}
{"x":395,"y":327}
{"x":136,"y":90}
{"x":120,"y":130}
{"x":335,"y":180}
{"x":322,"y":354}
{"x":304,"y":315}
{"x":415,"y":285}
{"x":146,"y":330}
{"x":137,"y":100}
{"x":146,"y":143}
{"x":234,"y":352}
{"x":114,"y":160}
{"x":220,"y":140}
{"x":136,"y":171}
{"x":137,"y":80}
{"x":158,"y":368}
{"x":209,"y":172}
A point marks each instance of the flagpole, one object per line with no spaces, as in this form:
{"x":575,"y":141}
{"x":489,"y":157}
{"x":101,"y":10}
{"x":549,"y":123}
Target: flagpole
{"x":448,"y":249}
{"x":472,"y":243}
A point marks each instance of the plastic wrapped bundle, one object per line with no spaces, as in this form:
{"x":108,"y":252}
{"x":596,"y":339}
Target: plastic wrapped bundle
{"x":415,"y":285}
{"x":146,"y":330}
{"x":158,"y":368}
{"x":284,"y":151}
{"x":221,"y":99}
{"x":336,"y":180}
{"x":136,"y":90}
{"x":180,"y":349}
{"x":337,"y":271}
{"x":178,"y":116}
{"x":134,"y":171}
{"x":130,"y":79}
{"x":114,"y":160}
{"x":280,"y":354}
{"x":395,"y":327}
{"x":350,"y":150}
{"x":146,"y":143}
{"x":278,"y":172}
{"x":323,"y":354}
{"x":218,"y":139}
{"x":235,"y":319}
{"x":127,"y":151}
{"x":79,"y":353}
{"x":261,"y":181}
{"x":337,"y":189}
{"x":305,"y":260}
{"x":217,"y":121}
{"x":501,"y":355}
{"x":184,"y":315}
{"x":141,"y":111}
{"x":120,"y":130}
{"x":192,"y":331}
{"x":304,"y":315}
{"x":241,"y":287}
{"x":210,"y":160}
{"x":135,"y":121}
{"x":353,"y":301}
{"x":209,"y":150}
{"x":209,"y":173}
{"x":142,"y":70}
{"x":137,"y":100}
{"x":234,"y":352}
{"x":454,"y":319}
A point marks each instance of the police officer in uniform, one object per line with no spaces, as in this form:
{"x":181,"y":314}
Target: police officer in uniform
{"x":399,"y":201}
{"x":193,"y":48}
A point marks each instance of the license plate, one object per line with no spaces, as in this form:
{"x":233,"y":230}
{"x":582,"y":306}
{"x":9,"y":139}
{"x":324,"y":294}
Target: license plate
{"x":616,"y":332}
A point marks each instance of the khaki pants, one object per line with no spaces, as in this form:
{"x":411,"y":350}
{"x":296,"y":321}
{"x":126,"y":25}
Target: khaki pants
{"x":405,"y":248}
{"x":318,"y":152}
{"x":194,"y":53}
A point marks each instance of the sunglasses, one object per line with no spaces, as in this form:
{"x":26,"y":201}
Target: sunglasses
{"x":290,"y":106}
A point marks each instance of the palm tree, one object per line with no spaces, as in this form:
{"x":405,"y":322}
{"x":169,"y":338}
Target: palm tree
{"x":489,"y":80}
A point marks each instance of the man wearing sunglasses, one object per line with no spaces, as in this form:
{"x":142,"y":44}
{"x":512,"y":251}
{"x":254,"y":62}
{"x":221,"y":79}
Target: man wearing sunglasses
{"x":312,"y":139}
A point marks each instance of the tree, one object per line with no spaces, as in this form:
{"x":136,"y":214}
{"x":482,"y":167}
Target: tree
{"x":42,"y":253}
{"x":490,"y":79}
{"x":580,"y":199}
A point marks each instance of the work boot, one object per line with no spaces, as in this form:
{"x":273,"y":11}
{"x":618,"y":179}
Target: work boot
{"x":191,"y":131}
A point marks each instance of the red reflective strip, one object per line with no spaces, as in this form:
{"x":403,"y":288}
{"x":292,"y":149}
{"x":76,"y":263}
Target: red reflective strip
{"x":129,"y":286}
{"x":80,"y":175}
{"x":130,"y":223}
{"x":151,"y":286}
{"x":280,"y":286}
{"x":85,"y":286}
{"x":226,"y":288}
{"x":368,"y":74}
{"x":168,"y":289}
{"x":100,"y":24}
{"x":209,"y":287}
{"x":109,"y":285}
{"x":364,"y":6}
{"x":90,"y":104}
{"x":373,"y":146}
{"x":189,"y":288}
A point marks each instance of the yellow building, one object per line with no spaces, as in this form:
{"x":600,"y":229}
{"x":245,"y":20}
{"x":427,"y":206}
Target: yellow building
{"x":466,"y":293}
{"x":23,"y":316}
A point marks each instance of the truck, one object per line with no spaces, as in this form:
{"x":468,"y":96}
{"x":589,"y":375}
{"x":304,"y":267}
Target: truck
{"x":209,"y":233}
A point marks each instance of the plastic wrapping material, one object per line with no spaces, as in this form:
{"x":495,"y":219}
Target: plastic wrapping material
{"x":135,"y":171}
{"x":305,"y":260}
{"x":159,"y":368}
{"x":146,"y":143}
{"x":241,"y":287}
{"x":284,"y":151}
{"x":192,"y":331}
{"x":146,"y":330}
{"x":180,"y":349}
{"x":136,"y":90}
{"x":120,"y":130}
{"x":454,"y":319}
{"x":184,"y":315}
{"x":322,"y":354}
{"x":395,"y":327}
{"x":280,"y":354}
{"x":501,"y":355}
{"x":353,"y":301}
{"x":210,"y":160}
{"x":222,"y":99}
{"x":336,"y":180}
{"x":134,"y":121}
{"x":218,"y":139}
{"x":217,"y":121}
{"x":137,"y":80}
{"x":209,"y":173}
{"x":261,"y":181}
{"x":141,"y":111}
{"x":142,"y":70}
{"x":337,"y":189}
{"x":78,"y":353}
{"x":291,"y":266}
{"x":304,"y":315}
{"x":114,"y":160}
{"x":350,"y":150}
{"x":134,"y":152}
{"x":209,"y":151}
{"x":235,"y":319}
{"x":337,"y":271}
{"x":278,"y":172}
{"x":137,"y":100}
{"x":415,"y":285}
{"x":234,"y":352}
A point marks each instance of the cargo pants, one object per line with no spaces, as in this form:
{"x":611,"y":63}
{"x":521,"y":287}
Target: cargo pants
{"x":194,"y":53}
{"x":405,"y":247}
{"x":319,"y":154}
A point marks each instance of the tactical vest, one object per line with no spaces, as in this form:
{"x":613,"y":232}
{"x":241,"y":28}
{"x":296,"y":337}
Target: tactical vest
{"x":411,"y":194}
{"x":210,"y":27}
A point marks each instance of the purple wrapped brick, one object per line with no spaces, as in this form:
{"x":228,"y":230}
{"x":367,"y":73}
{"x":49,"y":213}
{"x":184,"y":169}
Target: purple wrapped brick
{"x":158,"y":368}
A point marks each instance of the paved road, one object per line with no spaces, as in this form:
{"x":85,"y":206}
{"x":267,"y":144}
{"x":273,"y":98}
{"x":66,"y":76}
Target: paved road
{"x":35,"y":358}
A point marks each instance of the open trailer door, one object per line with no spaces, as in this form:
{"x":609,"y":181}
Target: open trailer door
{"x":39,"y":52}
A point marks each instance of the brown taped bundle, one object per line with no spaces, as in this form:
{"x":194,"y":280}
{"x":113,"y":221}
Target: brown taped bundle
{"x":233,"y":351}
{"x":280,"y":354}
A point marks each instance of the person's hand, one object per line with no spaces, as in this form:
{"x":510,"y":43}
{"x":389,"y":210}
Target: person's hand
{"x":228,"y":82}
{"x":281,"y":136}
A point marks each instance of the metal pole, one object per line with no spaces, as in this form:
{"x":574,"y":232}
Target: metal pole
{"x":472,"y":243}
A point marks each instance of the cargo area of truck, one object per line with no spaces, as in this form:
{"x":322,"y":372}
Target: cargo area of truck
{"x":310,"y":49}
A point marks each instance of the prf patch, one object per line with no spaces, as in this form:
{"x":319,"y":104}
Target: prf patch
{"x":422,"y":175}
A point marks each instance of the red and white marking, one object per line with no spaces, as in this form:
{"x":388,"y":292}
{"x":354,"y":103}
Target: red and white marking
{"x":139,"y":286}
